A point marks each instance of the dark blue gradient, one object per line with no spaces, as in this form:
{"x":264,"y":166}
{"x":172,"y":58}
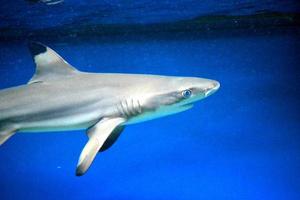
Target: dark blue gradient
{"x":241,"y":143}
{"x":27,"y":15}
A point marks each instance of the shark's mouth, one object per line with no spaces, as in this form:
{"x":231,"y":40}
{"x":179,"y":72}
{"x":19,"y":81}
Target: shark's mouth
{"x":187,"y":106}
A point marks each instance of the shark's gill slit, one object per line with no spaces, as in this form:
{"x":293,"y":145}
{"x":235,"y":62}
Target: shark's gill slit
{"x":120,"y":109}
{"x":139,"y":106}
{"x":133,"y":111}
{"x":129,"y":108}
{"x":135,"y":107}
{"x":125,"y":108}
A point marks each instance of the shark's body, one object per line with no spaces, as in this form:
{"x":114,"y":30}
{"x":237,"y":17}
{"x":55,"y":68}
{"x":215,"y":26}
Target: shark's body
{"x":59,"y":98}
{"x":61,"y":106}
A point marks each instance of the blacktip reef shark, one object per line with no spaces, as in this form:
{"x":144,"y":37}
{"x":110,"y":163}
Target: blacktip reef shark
{"x":61,"y":98}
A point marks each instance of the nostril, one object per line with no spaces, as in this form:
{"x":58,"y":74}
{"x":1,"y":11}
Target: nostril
{"x":207,"y":89}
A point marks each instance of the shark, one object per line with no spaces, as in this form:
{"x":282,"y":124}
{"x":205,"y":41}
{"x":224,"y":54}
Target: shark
{"x":61,"y":98}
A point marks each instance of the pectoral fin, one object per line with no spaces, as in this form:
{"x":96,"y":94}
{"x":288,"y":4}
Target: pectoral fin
{"x":98,"y":134}
{"x":112,"y":138}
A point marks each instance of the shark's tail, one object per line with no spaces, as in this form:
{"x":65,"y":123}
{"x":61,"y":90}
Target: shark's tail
{"x":5,"y":134}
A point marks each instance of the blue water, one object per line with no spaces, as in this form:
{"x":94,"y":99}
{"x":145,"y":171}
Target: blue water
{"x":243,"y":142}
{"x":22,"y":14}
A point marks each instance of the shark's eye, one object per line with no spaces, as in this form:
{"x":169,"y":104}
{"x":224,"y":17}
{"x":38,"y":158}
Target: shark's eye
{"x":186,"y":93}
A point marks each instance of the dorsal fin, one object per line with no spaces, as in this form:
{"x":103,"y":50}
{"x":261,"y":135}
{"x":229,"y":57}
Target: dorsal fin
{"x":49,"y":65}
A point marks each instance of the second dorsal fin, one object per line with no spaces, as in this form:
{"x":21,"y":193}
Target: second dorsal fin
{"x":49,"y":65}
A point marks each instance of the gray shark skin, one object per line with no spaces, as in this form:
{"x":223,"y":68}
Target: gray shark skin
{"x":61,"y":98}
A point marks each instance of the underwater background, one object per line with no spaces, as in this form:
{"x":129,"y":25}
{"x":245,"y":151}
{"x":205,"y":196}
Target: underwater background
{"x":243,"y":142}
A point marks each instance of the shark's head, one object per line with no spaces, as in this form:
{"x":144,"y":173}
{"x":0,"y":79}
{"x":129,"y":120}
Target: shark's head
{"x":170,"y":95}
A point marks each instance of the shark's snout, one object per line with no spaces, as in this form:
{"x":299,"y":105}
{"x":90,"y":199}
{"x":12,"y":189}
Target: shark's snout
{"x":212,"y":88}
